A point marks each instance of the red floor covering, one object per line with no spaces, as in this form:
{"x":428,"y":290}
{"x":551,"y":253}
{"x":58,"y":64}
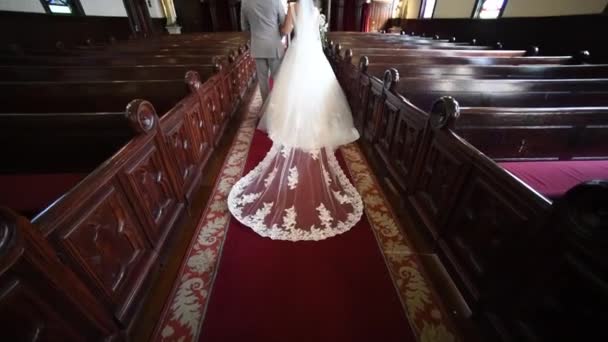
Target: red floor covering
{"x":333,"y":290}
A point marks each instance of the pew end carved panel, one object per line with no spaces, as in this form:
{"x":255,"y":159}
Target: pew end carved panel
{"x":438,"y":173}
{"x":151,"y":178}
{"x":41,"y":298}
{"x":199,"y":123}
{"x":480,"y":216}
{"x":184,"y":144}
{"x":105,"y":243}
{"x":486,"y":236}
{"x":570,"y":255}
{"x":209,"y":98}
{"x":399,"y":134}
{"x":408,"y":138}
{"x":360,"y":95}
{"x":374,"y":110}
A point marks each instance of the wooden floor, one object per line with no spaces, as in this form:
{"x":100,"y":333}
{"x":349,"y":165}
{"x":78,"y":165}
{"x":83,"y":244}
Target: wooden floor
{"x":160,"y":288}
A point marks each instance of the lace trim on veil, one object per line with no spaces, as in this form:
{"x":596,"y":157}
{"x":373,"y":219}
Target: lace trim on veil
{"x":343,"y":194}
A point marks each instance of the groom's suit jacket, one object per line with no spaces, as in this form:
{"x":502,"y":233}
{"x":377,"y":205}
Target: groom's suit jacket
{"x":263,"y":19}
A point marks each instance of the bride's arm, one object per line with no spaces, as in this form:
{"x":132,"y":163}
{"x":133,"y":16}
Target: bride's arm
{"x":287,"y":26}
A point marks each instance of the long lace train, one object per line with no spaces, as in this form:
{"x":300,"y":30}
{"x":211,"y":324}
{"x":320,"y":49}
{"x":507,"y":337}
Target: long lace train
{"x":296,"y":195}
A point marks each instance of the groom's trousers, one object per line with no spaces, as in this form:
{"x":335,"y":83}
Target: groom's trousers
{"x":266,"y":68}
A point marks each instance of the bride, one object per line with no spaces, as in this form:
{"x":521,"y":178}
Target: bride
{"x":298,"y":191}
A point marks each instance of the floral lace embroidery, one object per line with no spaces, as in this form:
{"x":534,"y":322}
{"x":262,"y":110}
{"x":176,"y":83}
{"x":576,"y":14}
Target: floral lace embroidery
{"x":270,"y":177}
{"x":288,"y":229}
{"x":292,"y":178}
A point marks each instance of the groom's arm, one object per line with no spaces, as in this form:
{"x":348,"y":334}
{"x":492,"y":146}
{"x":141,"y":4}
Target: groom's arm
{"x":286,"y":22}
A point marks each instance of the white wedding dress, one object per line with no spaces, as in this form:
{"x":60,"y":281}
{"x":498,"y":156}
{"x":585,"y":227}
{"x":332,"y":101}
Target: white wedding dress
{"x":298,"y":191}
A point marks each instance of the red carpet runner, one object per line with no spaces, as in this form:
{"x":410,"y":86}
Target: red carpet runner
{"x":332,"y":290}
{"x":364,"y":285}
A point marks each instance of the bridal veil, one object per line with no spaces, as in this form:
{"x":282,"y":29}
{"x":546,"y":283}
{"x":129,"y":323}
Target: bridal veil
{"x":299,"y":191}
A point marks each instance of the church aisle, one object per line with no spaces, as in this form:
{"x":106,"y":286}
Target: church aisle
{"x":331,"y":290}
{"x":364,"y":285}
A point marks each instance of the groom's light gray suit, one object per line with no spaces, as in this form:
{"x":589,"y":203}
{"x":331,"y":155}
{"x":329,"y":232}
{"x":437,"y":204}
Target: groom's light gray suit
{"x":263,"y":18}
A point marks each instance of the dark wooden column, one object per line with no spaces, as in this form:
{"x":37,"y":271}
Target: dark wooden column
{"x":358,"y":14}
{"x":233,"y":10}
{"x":139,"y":18}
{"x":340,"y":16}
{"x":213,"y":14}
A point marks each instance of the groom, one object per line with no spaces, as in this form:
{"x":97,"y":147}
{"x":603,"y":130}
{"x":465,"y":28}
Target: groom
{"x":265,"y":20}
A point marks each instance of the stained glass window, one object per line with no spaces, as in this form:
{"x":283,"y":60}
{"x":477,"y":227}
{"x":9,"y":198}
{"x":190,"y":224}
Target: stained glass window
{"x":489,"y":9}
{"x":428,"y":7}
{"x":69,"y":7}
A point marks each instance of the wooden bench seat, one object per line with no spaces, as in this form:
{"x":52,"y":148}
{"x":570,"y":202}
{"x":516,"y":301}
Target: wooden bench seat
{"x":506,"y":93}
{"x":461,"y":60}
{"x":30,"y":194}
{"x":60,"y":142}
{"x":491,"y":71}
{"x":553,"y":179}
{"x":406,"y":51}
{"x":109,"y":61}
{"x":536,"y":134}
{"x":65,"y":97}
{"x":111,"y":73}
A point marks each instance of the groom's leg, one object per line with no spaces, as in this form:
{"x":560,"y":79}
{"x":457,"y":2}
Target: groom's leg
{"x":261,"y":66}
{"x":274,"y":65}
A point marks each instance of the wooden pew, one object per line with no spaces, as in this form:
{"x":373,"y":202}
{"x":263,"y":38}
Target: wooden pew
{"x":506,"y":92}
{"x":487,"y":224}
{"x":22,"y":73}
{"x":536,"y":134}
{"x":374,"y":107}
{"x":65,"y":97}
{"x":114,"y":206}
{"x":525,"y":262}
{"x":346,"y":71}
{"x":491,"y":71}
{"x":131,"y":202}
{"x":435,"y":51}
{"x":109,"y":61}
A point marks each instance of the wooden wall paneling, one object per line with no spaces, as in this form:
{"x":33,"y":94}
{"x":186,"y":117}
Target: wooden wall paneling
{"x":190,"y":15}
{"x":139,"y":18}
{"x":380,"y":14}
